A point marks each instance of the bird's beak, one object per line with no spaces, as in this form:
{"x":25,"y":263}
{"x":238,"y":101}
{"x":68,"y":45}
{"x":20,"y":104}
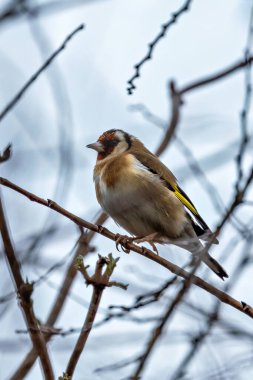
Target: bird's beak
{"x":96,"y":146}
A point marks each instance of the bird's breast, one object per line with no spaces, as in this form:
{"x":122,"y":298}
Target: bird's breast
{"x":118,"y":182}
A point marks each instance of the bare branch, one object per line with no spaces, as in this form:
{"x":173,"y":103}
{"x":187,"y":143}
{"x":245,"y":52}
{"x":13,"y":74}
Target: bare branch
{"x":174,"y":119}
{"x":217,"y":76}
{"x":151,"y":46}
{"x":177,"y":96}
{"x":24,"y":291}
{"x":33,"y":78}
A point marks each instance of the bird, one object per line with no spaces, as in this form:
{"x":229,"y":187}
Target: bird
{"x":143,"y":196}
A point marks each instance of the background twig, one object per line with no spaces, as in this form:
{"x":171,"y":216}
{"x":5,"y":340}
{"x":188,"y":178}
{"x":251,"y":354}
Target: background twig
{"x":151,"y":46}
{"x":33,"y":78}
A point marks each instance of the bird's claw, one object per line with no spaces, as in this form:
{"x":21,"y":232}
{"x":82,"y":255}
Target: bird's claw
{"x":122,"y":241}
{"x":147,"y":239}
{"x":154,"y":247}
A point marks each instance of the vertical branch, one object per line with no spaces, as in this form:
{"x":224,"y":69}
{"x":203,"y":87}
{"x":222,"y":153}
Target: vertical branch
{"x":88,"y":323}
{"x":99,"y":281}
{"x":246,"y":106}
{"x":176,"y":102}
{"x":24,"y":291}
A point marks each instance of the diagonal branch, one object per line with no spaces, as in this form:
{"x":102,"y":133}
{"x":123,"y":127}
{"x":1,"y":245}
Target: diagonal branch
{"x":33,"y":78}
{"x":24,"y":292}
{"x":222,"y":296}
{"x":158,"y":330}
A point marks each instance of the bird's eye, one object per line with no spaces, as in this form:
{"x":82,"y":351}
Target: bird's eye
{"x":108,"y":146}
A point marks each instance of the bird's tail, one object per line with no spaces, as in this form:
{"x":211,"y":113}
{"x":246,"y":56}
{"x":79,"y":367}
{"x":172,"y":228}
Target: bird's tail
{"x":214,"y":266}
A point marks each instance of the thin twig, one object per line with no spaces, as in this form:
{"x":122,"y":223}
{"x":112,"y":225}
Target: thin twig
{"x":151,"y":46}
{"x":24,"y":291}
{"x":158,"y":330}
{"x":246,"y":61}
{"x":33,"y":78}
{"x":222,"y":296}
{"x":246,"y":107}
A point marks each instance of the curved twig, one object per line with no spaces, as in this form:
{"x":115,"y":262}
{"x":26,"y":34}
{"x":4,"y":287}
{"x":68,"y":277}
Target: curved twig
{"x":33,"y":78}
{"x":151,"y":46}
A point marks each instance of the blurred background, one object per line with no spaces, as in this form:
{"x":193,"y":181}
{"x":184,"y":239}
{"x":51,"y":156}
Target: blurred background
{"x":79,"y":96}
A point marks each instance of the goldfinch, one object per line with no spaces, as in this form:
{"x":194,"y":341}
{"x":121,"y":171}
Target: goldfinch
{"x":142,"y":195}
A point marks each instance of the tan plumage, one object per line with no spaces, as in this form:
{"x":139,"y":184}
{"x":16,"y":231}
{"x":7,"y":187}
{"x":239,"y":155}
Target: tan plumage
{"x":142,"y":195}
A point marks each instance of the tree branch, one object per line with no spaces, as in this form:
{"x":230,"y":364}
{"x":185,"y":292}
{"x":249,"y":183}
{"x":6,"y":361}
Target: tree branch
{"x":174,"y":119}
{"x":216,"y":76}
{"x":177,"y":96}
{"x":24,"y":291}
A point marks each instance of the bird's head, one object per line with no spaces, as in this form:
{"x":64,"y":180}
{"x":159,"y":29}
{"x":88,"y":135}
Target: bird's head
{"x":114,"y":141}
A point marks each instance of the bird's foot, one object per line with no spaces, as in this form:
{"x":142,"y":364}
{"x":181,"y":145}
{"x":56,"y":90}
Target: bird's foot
{"x":122,"y":241}
{"x":147,"y":239}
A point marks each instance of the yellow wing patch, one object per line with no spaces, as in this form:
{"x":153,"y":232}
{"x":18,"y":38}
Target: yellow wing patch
{"x":185,"y":200}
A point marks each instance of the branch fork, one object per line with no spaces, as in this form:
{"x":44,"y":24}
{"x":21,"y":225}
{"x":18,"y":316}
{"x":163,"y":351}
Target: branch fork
{"x":100,"y":278}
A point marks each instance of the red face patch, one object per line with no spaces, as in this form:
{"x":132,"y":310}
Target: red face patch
{"x":109,"y":140}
